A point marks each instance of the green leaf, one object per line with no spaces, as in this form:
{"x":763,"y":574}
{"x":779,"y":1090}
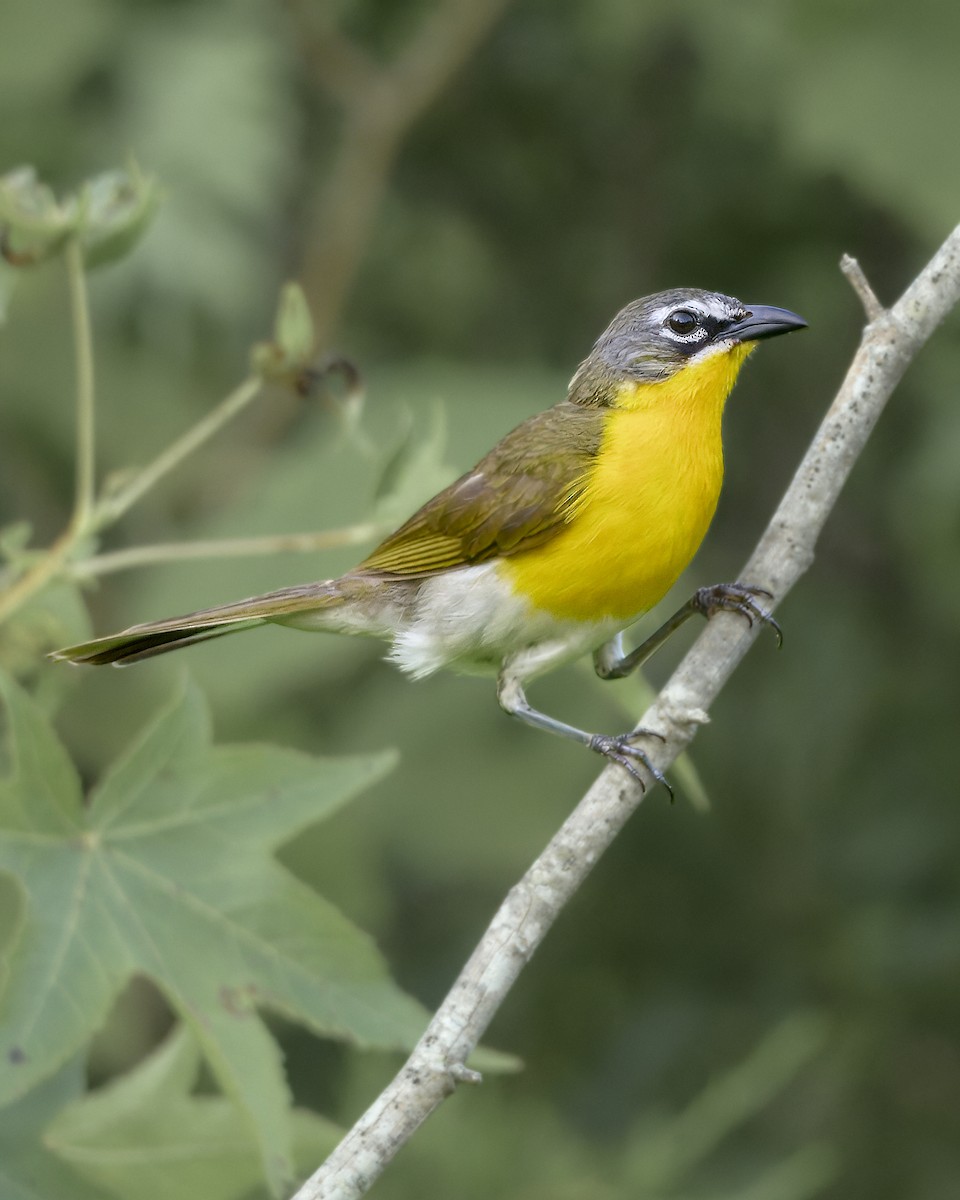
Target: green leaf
{"x":108,"y":213}
{"x":288,"y":355}
{"x":294,"y":326}
{"x":119,"y":207}
{"x":146,"y":1135}
{"x":34,"y":225}
{"x":165,"y":871}
{"x":28,"y":1168}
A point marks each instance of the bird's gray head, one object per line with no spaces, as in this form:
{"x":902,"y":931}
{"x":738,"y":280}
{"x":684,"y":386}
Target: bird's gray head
{"x":653,"y":338}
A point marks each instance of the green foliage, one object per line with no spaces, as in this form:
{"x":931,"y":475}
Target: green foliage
{"x":107,"y":216}
{"x":165,"y":872}
{"x":293,"y":338}
{"x":149,"y":1134}
{"x":29,"y":1168}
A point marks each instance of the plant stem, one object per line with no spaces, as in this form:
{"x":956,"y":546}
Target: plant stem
{"x":38,"y":576}
{"x":110,"y":508}
{"x":85,"y":482}
{"x":161,"y":552}
{"x":90,"y":515}
{"x":82,"y":517}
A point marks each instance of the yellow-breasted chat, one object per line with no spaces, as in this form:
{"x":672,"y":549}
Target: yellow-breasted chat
{"x":573,"y":526}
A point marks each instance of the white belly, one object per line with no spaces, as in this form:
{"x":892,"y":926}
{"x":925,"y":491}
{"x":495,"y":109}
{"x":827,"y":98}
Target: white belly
{"x":470,"y":620}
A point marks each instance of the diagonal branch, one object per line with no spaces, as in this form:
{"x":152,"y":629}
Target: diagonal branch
{"x":785,"y":551}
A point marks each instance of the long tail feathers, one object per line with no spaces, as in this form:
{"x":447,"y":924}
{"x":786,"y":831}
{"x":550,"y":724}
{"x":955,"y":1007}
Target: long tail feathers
{"x":157,"y":637}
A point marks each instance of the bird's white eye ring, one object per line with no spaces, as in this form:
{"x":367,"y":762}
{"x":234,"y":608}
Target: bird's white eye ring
{"x":683,"y":321}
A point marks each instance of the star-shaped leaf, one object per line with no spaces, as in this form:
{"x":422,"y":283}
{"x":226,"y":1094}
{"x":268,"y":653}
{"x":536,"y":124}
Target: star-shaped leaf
{"x":29,"y":1170}
{"x":166,"y":871}
{"x":147,"y":1135}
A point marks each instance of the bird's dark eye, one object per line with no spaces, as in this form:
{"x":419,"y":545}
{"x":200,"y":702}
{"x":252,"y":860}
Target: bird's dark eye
{"x":682,"y":321}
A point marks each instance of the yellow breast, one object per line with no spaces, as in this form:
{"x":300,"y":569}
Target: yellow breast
{"x":647,"y":503}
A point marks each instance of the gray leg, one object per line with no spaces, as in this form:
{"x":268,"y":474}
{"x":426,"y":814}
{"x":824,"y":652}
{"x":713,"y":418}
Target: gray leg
{"x":617,"y":747}
{"x":610,"y":662}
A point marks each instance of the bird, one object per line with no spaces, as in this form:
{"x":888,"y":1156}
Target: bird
{"x":576,"y":524}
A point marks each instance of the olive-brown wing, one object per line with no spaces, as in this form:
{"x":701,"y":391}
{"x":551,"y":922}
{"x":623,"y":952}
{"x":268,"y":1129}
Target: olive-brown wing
{"x":518,"y":496}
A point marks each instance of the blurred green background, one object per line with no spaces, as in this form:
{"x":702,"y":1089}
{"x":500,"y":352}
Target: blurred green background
{"x":465,"y":243}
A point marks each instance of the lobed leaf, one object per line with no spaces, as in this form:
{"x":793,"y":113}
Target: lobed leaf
{"x":166,"y":871}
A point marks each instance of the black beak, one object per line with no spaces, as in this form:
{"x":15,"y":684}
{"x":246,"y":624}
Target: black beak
{"x":762,"y":321}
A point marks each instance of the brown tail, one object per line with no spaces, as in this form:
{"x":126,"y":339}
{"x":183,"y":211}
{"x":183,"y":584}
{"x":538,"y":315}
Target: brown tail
{"x":157,"y":637}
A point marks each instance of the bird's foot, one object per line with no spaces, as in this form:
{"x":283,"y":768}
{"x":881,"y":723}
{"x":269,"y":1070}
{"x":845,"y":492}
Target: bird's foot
{"x":620,"y":748}
{"x":740,"y":598}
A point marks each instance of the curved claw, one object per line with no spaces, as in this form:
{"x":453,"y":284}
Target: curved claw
{"x":739,"y":598}
{"x":619,"y":748}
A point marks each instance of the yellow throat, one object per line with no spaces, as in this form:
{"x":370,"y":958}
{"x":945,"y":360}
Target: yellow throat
{"x":648,"y":501}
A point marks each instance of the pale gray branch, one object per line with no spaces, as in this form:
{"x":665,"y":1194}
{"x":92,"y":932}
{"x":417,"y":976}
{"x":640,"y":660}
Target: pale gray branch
{"x":784,"y":552}
{"x":861,"y":285}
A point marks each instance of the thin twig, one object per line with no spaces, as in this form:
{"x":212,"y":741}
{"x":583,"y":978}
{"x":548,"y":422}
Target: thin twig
{"x":785,"y":551}
{"x":167,"y":552}
{"x":92,"y":517}
{"x":861,"y":285}
{"x":111,"y":507}
{"x":82,"y":517}
{"x":85,"y":483}
{"x":38,"y":576}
